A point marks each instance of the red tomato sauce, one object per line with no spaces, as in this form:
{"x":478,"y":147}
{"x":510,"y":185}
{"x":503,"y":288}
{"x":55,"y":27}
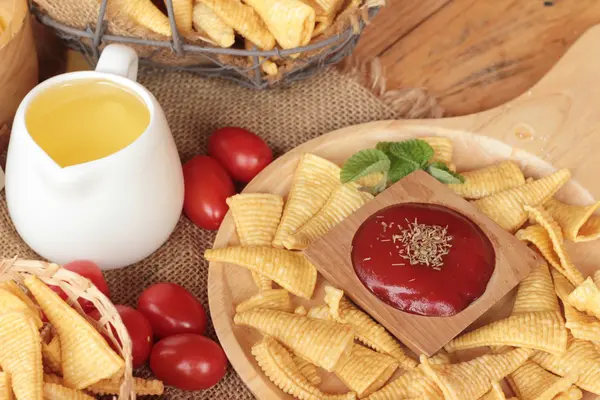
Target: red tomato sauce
{"x":392,"y":249}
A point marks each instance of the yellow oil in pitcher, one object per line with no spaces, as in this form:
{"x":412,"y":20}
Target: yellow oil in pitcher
{"x":85,"y":120}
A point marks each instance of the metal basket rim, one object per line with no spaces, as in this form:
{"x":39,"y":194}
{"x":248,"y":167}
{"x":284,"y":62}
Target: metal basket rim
{"x":96,"y":34}
{"x":325,"y":52}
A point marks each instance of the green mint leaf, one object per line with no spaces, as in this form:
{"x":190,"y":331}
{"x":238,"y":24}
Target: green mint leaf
{"x":442,"y":173}
{"x":363,"y":163}
{"x":442,"y":166}
{"x":385,"y":147}
{"x":415,"y":151}
{"x":401,"y":168}
{"x":439,"y":165}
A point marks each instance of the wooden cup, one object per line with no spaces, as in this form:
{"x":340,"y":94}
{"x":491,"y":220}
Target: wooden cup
{"x":18,"y":65}
{"x":423,"y":335}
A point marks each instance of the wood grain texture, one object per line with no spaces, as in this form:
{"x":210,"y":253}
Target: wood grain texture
{"x":472,"y":54}
{"x":392,"y":23}
{"x":423,"y":335}
{"x":555,"y":124}
{"x":52,"y":51}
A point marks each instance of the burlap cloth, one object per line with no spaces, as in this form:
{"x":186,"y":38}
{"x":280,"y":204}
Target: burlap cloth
{"x":194,"y":107}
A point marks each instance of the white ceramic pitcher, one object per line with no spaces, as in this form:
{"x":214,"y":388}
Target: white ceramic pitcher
{"x":115,"y":210}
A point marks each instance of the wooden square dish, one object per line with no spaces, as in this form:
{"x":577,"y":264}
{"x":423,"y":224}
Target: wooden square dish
{"x":332,"y":254}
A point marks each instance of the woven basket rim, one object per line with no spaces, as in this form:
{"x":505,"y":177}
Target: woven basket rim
{"x":75,"y":287}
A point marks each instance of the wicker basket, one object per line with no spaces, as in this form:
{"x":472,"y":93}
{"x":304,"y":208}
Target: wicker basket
{"x":85,"y":26}
{"x":76,"y":286}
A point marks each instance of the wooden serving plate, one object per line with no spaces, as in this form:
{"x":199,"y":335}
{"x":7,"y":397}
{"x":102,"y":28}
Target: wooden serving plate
{"x":555,"y":124}
{"x":423,"y":335}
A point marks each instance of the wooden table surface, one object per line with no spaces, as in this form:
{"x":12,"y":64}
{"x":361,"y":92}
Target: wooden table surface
{"x":473,"y":54}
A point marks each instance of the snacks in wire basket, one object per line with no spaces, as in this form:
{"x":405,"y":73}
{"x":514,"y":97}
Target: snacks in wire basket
{"x":253,"y":25}
{"x":67,"y":357}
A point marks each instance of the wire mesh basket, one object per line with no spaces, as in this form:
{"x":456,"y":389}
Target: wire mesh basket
{"x":243,"y":66}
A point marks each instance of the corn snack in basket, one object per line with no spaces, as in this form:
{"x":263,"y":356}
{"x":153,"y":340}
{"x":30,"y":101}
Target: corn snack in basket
{"x":183,"y":11}
{"x":314,"y":180}
{"x":582,"y":359}
{"x":366,"y":370}
{"x":278,"y":365}
{"x":69,"y":345}
{"x":489,"y":180}
{"x":495,"y":393}
{"x":506,"y":208}
{"x":547,"y":237}
{"x":532,"y":382}
{"x":543,"y":329}
{"x":344,"y":200}
{"x":586,"y":298}
{"x":324,"y":343}
{"x":143,"y":13}
{"x":366,"y":330}
{"x":578,"y":223}
{"x":21,"y":354}
{"x":244,"y":20}
{"x":581,"y":325}
{"x":290,"y":270}
{"x":308,"y":369}
{"x":482,"y":371}
{"x":86,"y":356}
{"x":273,"y":299}
{"x":443,"y":148}
{"x":256,"y":217}
{"x":290,"y":21}
{"x":206,"y":21}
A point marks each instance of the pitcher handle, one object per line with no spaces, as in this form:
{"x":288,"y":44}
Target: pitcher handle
{"x":119,"y":60}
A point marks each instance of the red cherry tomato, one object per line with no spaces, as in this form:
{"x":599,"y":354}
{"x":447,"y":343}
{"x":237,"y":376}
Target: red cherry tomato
{"x":91,"y":271}
{"x":188,"y":361}
{"x":139,"y":330}
{"x":241,"y":152}
{"x":171,"y":309}
{"x":207,"y":186}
